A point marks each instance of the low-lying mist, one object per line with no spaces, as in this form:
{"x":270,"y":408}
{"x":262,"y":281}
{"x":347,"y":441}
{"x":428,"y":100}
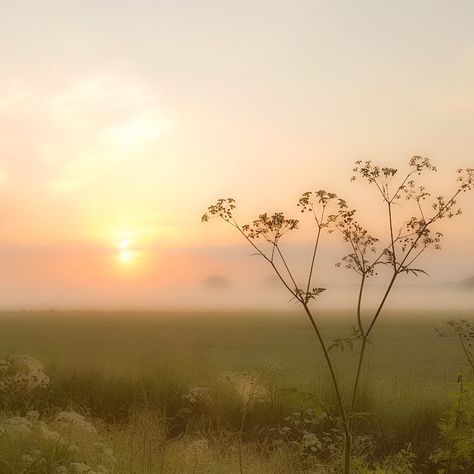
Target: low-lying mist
{"x":226,"y":296}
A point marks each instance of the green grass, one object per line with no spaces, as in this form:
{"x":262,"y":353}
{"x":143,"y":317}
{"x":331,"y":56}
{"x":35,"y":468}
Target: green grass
{"x":114,"y":366}
{"x":406,"y":355}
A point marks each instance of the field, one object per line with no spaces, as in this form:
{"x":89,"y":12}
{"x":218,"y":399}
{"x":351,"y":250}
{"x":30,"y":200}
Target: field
{"x":133,"y":374}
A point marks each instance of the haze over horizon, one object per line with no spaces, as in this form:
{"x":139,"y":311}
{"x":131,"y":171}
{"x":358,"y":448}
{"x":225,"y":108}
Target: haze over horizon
{"x":121,"y":123}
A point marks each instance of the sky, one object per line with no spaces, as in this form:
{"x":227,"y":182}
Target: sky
{"x":122,"y":121}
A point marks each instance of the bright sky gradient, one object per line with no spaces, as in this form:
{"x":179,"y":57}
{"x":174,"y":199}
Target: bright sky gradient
{"x":121,"y":121}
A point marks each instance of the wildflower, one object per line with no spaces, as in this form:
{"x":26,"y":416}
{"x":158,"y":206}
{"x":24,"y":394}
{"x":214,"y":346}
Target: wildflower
{"x":247,"y":387}
{"x":223,"y":209}
{"x":48,"y":434}
{"x":21,"y":373}
{"x":80,"y":468}
{"x":197,"y":449}
{"x":19,"y":426}
{"x":107,"y":456}
{"x":73,"y":420}
{"x":27,"y":458}
{"x":195,"y":394}
{"x":5,"y":366}
{"x":311,"y":441}
{"x":73,"y":449}
{"x":270,"y":228}
{"x":33,"y":415}
{"x":99,"y":470}
{"x":31,"y":370}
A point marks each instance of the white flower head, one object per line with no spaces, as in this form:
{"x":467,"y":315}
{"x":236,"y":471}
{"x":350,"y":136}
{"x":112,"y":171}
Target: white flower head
{"x":18,"y":426}
{"x":21,"y":373}
{"x":80,"y":468}
{"x":196,"y":394}
{"x":311,"y":441}
{"x":47,"y":434}
{"x":75,"y":421}
{"x":33,"y":415}
{"x":247,"y":387}
{"x":197,"y":449}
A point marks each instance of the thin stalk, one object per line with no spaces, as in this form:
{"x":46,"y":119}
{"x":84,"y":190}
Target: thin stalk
{"x":392,"y":241}
{"x":364,"y":346}
{"x":340,"y":403}
{"x":359,"y":305}
{"x":365,"y":335}
{"x":286,"y":265}
{"x":241,"y":432}
{"x":315,"y":250}
{"x":37,"y":460}
{"x":377,"y":314}
{"x":382,"y":304}
{"x":269,"y":260}
{"x":362,"y":351}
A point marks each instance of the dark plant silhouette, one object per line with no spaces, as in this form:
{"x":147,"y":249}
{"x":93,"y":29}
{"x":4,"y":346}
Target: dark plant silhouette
{"x":399,"y":252}
{"x":463,"y":330}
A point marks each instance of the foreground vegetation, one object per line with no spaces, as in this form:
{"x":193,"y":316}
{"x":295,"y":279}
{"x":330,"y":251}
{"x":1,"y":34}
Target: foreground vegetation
{"x":150,"y":393}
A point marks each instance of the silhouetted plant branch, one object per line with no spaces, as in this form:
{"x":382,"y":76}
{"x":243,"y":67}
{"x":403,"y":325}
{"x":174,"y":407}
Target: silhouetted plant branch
{"x":463,"y":330}
{"x":403,"y":248}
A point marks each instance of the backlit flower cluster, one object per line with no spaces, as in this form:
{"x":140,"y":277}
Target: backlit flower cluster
{"x":246,"y":387}
{"x":223,"y":209}
{"x":21,"y":373}
{"x":270,"y":227}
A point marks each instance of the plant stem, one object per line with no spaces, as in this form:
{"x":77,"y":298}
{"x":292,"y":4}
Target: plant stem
{"x":340,"y":403}
{"x":359,"y":305}
{"x":364,"y":344}
{"x":315,"y":249}
{"x":392,"y":241}
{"x":241,"y":432}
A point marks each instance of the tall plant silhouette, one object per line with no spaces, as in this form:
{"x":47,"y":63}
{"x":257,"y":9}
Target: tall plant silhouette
{"x":399,"y":251}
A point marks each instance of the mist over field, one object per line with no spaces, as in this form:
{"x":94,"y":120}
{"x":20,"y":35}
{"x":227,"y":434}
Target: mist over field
{"x":218,"y":277}
{"x":227,"y":296}
{"x":235,"y":298}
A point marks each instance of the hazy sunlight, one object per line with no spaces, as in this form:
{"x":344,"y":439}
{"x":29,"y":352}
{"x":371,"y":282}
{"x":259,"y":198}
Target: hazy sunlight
{"x":126,"y":254}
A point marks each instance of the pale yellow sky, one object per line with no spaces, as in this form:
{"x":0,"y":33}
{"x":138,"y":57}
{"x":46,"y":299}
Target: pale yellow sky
{"x":121,"y":121}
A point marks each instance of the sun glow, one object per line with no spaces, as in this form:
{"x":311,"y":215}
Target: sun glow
{"x":126,"y":254}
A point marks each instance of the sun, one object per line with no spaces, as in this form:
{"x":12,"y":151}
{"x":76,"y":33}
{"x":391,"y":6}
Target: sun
{"x":126,"y":254}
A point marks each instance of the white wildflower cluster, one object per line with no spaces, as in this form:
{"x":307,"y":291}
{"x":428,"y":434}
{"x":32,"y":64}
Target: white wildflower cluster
{"x":65,"y":444}
{"x":70,"y":421}
{"x":311,"y":442}
{"x":21,"y":374}
{"x":196,"y":394}
{"x":196,"y":449}
{"x":299,"y":430}
{"x":247,"y":387}
{"x":83,"y":468}
{"x":305,"y":419}
{"x":17,"y":426}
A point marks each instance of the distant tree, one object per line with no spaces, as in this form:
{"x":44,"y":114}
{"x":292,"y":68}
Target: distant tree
{"x":398,"y":251}
{"x":468,"y":283}
{"x":217,"y":282}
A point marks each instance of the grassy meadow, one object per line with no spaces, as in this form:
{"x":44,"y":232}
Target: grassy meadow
{"x":152,"y":385}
